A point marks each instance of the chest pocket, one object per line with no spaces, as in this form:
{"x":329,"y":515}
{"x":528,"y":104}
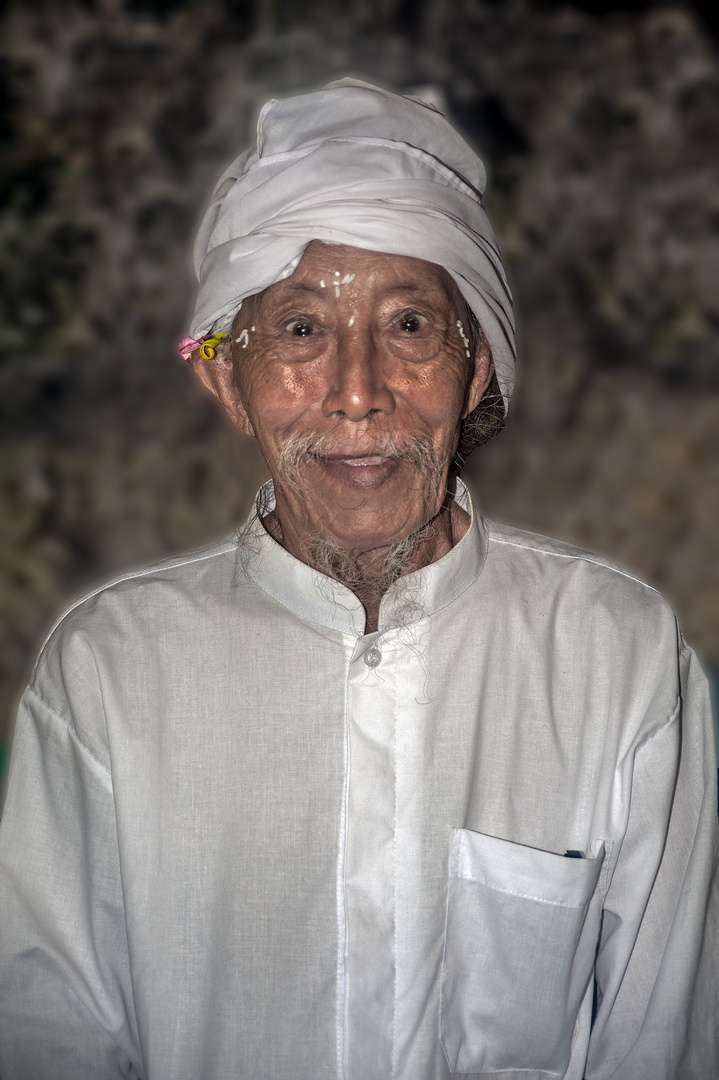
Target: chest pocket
{"x":521,"y":936}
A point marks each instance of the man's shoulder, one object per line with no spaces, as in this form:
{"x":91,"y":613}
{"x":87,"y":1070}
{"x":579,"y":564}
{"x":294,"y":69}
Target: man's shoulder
{"x":124,"y":628}
{"x":166,"y":584}
{"x":544,"y":562}
{"x":527,"y":541}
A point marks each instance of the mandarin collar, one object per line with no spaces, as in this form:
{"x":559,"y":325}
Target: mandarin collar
{"x":323,"y":600}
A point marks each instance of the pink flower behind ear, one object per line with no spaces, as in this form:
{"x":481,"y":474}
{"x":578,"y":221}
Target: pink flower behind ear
{"x":187,"y":346}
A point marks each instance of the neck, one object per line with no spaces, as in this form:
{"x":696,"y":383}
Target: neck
{"x":369,"y":574}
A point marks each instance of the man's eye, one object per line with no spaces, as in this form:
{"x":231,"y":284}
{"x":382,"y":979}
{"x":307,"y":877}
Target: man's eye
{"x":410,"y":323}
{"x":300,"y":327}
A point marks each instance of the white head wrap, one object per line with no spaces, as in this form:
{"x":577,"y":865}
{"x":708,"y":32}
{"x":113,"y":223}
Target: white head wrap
{"x":352,"y":164}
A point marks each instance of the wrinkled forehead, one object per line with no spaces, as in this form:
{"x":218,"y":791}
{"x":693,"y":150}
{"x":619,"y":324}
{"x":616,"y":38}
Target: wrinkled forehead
{"x":336,"y":271}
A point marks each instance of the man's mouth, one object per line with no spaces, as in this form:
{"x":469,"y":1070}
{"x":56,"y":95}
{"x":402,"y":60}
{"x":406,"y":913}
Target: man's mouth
{"x":363,"y":470}
{"x":366,"y":464}
{"x":355,"y":462}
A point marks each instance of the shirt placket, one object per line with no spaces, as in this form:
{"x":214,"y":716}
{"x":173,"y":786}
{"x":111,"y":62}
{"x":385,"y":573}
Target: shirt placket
{"x":369,"y":869}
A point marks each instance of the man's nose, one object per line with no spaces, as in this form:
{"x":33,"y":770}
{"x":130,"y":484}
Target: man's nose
{"x":358,"y":385}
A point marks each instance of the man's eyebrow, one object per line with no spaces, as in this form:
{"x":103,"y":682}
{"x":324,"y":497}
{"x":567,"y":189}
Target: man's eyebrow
{"x":429,"y":294}
{"x":300,"y":286}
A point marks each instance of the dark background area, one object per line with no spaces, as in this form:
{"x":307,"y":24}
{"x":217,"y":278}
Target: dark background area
{"x":599,"y":123}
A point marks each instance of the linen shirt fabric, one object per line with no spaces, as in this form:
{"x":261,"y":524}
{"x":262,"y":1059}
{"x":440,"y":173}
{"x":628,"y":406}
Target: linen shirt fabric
{"x":243,"y":839}
{"x":353,"y":164}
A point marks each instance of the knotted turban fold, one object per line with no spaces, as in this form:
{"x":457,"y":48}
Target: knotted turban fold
{"x":352,"y":164}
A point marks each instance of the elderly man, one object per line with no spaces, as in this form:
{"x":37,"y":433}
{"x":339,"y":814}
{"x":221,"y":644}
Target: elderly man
{"x":377,"y":789}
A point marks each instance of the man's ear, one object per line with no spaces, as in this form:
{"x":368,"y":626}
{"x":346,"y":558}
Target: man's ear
{"x":218,"y":376}
{"x":481,"y":377}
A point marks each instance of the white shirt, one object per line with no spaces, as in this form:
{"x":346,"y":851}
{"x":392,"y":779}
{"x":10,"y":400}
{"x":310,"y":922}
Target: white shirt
{"x":244,"y":840}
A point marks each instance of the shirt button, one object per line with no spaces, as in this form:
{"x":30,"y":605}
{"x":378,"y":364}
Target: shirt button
{"x":372,"y":657}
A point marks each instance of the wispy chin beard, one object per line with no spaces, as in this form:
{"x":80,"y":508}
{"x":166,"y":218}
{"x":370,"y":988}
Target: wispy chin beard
{"x":358,"y":570}
{"x":365,"y":576}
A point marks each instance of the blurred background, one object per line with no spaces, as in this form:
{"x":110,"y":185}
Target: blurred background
{"x":599,"y":124}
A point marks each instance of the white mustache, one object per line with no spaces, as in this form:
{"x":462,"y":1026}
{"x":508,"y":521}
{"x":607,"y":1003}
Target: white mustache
{"x":300,"y":448}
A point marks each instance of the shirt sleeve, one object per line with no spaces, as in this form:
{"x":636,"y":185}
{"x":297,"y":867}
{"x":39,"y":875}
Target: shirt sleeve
{"x":65,"y":999}
{"x":656,"y":968}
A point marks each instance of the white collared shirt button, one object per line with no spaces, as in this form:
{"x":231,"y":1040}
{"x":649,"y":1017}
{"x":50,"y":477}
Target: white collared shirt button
{"x":372,"y":657}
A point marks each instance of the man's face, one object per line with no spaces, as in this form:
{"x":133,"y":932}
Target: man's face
{"x":353,"y":375}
